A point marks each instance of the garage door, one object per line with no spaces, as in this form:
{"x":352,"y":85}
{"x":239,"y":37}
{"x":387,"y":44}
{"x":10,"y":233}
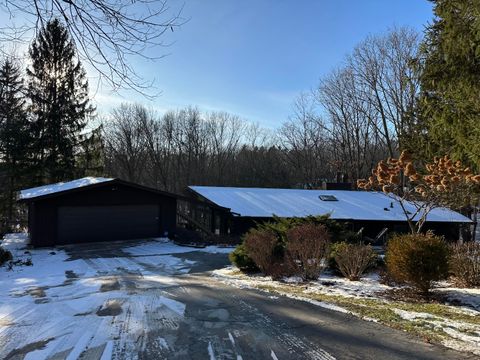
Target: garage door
{"x":79,"y":224}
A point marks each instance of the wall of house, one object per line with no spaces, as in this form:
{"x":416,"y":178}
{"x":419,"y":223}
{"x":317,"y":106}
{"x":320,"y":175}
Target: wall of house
{"x":43,"y":213}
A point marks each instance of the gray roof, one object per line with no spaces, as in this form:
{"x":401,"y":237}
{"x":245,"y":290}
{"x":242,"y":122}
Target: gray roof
{"x":351,"y":205}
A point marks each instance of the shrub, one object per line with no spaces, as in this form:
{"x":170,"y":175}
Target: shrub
{"x":353,"y":259}
{"x":417,"y":260}
{"x":5,"y":256}
{"x":261,"y":246}
{"x":464,"y":263}
{"x":338,"y":231}
{"x":334,"y":249}
{"x":295,"y":246}
{"x":240,"y":259}
{"x":307,"y":249}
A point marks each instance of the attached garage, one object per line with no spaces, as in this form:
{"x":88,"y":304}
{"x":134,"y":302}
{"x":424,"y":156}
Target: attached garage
{"x":97,"y":209}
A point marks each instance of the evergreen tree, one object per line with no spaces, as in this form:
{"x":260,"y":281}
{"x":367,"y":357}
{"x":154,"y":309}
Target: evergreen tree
{"x":58,"y":92}
{"x":449,"y":106}
{"x":90,"y":160}
{"x":14,"y":137}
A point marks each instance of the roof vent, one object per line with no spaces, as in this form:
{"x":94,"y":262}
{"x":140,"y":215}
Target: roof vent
{"x":327,"y":198}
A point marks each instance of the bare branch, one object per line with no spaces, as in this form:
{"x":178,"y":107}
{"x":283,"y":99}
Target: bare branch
{"x":109,"y":34}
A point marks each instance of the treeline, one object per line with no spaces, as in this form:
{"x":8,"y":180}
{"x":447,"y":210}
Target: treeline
{"x":188,"y":147}
{"x":359,"y":114}
{"x":395,"y":91}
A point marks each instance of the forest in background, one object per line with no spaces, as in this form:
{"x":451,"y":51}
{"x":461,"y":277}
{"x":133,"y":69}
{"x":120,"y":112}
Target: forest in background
{"x":359,"y":114}
{"x":395,"y":91}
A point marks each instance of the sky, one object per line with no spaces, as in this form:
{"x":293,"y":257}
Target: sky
{"x":253,"y":57}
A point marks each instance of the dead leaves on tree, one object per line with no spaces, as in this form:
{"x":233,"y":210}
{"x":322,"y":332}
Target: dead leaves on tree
{"x":443,"y":175}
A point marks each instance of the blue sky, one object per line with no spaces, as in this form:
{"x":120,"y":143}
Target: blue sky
{"x":253,"y":57}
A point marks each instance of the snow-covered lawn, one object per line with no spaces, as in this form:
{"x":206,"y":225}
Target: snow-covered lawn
{"x":454,"y":323}
{"x":97,"y":307}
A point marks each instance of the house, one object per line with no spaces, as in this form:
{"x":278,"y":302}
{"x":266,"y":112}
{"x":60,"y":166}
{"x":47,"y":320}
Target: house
{"x":104,"y":209}
{"x":97,"y":209}
{"x":372,"y":213}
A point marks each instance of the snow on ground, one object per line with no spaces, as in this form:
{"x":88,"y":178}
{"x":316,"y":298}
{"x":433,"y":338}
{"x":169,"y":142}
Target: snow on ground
{"x":171,"y":248}
{"x":16,"y":243}
{"x":464,"y":336}
{"x":461,"y":335}
{"x":369,"y":286}
{"x":329,"y":284}
{"x":466,"y":297}
{"x":92,"y":305}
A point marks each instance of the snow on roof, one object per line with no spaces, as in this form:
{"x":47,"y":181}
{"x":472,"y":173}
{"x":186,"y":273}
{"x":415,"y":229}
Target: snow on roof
{"x":61,"y":186}
{"x":355,"y":205}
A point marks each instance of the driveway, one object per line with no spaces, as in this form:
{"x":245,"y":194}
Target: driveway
{"x":156,"y":300}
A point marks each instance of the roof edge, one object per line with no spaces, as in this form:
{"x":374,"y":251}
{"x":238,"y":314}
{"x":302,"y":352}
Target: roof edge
{"x":96,"y":185}
{"x":206,"y":200}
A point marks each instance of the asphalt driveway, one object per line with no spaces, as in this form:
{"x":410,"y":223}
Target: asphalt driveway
{"x":155,"y":300}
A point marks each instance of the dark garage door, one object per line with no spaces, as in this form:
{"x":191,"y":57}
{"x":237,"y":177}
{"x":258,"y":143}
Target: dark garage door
{"x":79,"y":224}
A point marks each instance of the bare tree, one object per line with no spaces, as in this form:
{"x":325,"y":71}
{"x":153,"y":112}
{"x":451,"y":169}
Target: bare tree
{"x":107,"y":33}
{"x":305,"y":143}
{"x":382,"y":67}
{"x":354,"y":140}
{"x":125,"y":148}
{"x":225,"y":133}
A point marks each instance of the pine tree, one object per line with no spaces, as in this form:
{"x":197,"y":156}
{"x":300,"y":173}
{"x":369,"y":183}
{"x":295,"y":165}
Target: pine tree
{"x":14,"y":137}
{"x":58,"y":92}
{"x":90,"y":160}
{"x":449,"y":106}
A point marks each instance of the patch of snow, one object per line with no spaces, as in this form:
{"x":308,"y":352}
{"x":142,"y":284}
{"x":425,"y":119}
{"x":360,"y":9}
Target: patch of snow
{"x":461,"y":346}
{"x":462,"y":336}
{"x":273,"y":355}
{"x":58,"y":298}
{"x":232,"y":276}
{"x":160,"y":247}
{"x":210,"y":351}
{"x":162,"y":343}
{"x":292,"y":279}
{"x":80,"y":346}
{"x":108,"y":351}
{"x":232,"y":340}
{"x":61,"y":186}
{"x":15,"y":242}
{"x":461,"y":296}
{"x":174,"y":305}
{"x":368,"y":286}
{"x":412,"y":315}
{"x":324,"y":305}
